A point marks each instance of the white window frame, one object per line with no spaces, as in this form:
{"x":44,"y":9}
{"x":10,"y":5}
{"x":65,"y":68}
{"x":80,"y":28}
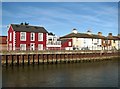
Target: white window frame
{"x":33,"y":36}
{"x":33,"y":46}
{"x":40,"y":34}
{"x":24,"y":47}
{"x":10,"y":36}
{"x":69,"y":43}
{"x":21,"y":36}
{"x":40,"y":46}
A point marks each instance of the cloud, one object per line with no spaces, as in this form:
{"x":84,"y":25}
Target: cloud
{"x":64,"y":15}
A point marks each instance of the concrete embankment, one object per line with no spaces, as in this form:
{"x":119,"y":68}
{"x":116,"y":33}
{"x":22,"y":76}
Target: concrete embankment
{"x":54,"y":57}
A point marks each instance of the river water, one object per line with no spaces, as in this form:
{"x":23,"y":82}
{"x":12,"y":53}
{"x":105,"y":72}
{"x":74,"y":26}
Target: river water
{"x":92,"y":74}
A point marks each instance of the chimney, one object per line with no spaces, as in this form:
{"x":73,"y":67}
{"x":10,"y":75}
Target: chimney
{"x":21,"y":23}
{"x":100,"y":33}
{"x":110,"y":34}
{"x":26,"y":23}
{"x":89,"y":32}
{"x":75,"y":31}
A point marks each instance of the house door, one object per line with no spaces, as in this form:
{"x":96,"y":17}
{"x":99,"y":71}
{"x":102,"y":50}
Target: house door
{"x":32,"y":46}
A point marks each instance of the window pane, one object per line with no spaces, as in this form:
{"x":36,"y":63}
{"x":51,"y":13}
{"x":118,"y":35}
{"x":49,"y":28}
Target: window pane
{"x":22,"y":46}
{"x":22,"y":37}
{"x":32,"y":36}
{"x":40,"y":46}
{"x":40,"y":36}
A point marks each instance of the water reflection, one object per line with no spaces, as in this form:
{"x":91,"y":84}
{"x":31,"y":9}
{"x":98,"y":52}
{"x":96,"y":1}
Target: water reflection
{"x":97,"y":74}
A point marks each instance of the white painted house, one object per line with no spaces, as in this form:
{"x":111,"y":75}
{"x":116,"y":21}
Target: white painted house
{"x":85,"y":41}
{"x":52,"y":41}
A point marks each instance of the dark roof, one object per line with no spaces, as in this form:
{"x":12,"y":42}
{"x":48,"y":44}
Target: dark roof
{"x":63,"y":40}
{"x":28,"y":28}
{"x":50,"y":33}
{"x":82,"y":35}
{"x":3,"y":39}
{"x":98,"y":36}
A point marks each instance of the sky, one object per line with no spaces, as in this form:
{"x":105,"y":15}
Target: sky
{"x":61,"y":17}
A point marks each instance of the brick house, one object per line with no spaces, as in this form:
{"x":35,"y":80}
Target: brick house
{"x":26,"y":37}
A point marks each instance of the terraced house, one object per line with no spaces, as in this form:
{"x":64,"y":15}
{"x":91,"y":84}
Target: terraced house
{"x":89,"y":41}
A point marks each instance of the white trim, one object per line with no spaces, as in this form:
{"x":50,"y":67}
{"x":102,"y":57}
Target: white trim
{"x":47,"y":37}
{"x":69,"y":43}
{"x":32,"y":48}
{"x":53,"y":45}
{"x":10,"y":36}
{"x":14,"y":40}
{"x":24,"y":46}
{"x":40,"y":34}
{"x":33,"y":36}
{"x":40,"y":46}
{"x":24,"y":38}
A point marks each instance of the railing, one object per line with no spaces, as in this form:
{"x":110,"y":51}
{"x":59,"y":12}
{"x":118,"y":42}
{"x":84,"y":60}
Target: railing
{"x":55,"y":51}
{"x":54,"y":43}
{"x":59,"y":48}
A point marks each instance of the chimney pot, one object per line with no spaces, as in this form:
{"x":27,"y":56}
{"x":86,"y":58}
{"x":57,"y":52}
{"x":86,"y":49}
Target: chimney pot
{"x":100,"y":33}
{"x":110,"y":34}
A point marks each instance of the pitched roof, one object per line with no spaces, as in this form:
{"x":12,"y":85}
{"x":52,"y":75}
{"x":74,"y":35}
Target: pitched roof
{"x":3,"y":39}
{"x":28,"y":28}
{"x":82,"y":35}
{"x":113,"y":37}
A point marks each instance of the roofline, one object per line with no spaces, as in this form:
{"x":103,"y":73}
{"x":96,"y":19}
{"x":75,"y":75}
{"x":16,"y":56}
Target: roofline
{"x":28,"y":25}
{"x":3,"y":36}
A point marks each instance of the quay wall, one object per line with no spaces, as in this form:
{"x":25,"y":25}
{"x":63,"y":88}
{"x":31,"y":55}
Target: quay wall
{"x":55,"y":57}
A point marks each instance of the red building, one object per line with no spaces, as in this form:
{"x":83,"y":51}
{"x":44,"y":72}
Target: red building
{"x":3,"y":42}
{"x":26,"y":37}
{"x":66,"y":44}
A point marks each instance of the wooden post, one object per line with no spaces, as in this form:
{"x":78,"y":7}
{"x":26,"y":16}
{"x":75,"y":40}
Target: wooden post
{"x":23,"y":59}
{"x":56,"y":58}
{"x":68,"y":58}
{"x":51,"y":57}
{"x":6,"y":60}
{"x":47,"y":58}
{"x":38,"y":58}
{"x":17,"y":59}
{"x":28,"y":59}
{"x":12,"y":60}
{"x":43,"y":58}
{"x":60,"y":58}
{"x":63,"y":58}
{"x":33,"y":58}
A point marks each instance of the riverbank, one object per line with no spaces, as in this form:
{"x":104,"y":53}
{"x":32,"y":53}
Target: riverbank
{"x":54,"y":57}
